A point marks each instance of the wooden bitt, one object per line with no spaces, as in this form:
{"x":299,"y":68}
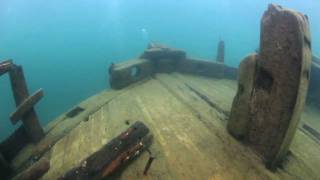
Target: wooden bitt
{"x":220,"y":52}
{"x":113,"y":155}
{"x":273,"y":86}
{"x":36,"y":171}
{"x":20,"y":92}
{"x":240,"y":112}
{"x":26,"y":105}
{"x":5,"y":66}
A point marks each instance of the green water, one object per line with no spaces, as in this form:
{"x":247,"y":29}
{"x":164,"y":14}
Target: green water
{"x":66,"y":46}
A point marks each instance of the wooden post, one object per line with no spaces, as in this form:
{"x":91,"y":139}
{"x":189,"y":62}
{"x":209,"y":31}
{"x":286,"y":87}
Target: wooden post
{"x":273,"y":86}
{"x":220,"y":52}
{"x":20,"y":92}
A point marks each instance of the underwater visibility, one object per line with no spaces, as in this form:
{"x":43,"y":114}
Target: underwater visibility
{"x":144,"y":89}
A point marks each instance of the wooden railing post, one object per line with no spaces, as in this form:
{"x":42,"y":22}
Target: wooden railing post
{"x":20,"y":93}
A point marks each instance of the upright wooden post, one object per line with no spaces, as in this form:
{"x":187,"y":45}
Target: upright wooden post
{"x":220,"y":52}
{"x":273,"y":85}
{"x":20,"y":92}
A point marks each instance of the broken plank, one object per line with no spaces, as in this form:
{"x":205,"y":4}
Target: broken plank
{"x":113,"y":155}
{"x":26,"y":105}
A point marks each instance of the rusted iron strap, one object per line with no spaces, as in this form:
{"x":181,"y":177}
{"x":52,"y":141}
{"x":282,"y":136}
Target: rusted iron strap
{"x":112,"y":156}
{"x":25,"y":106}
{"x":5,"y":66}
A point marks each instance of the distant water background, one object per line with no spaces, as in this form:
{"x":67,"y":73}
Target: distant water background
{"x":66,"y":46}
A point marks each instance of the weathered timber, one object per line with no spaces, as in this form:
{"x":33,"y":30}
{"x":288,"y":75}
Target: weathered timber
{"x":281,"y":82}
{"x":5,"y":169}
{"x":220,"y":52}
{"x":126,"y":73}
{"x":5,"y":66}
{"x":164,"y":59}
{"x":202,"y":68}
{"x":36,"y":171}
{"x":157,"y":52}
{"x":240,"y":111}
{"x":113,"y":155}
{"x":26,"y":105}
{"x":12,"y":145}
{"x":20,"y":92}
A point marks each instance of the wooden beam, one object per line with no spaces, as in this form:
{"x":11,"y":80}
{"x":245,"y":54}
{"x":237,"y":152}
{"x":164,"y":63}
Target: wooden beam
{"x":36,"y":171}
{"x":5,"y":66}
{"x":26,"y":105}
{"x":112,"y":156}
{"x":20,"y":92}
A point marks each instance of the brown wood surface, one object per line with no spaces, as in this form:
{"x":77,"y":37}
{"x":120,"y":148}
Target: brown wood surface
{"x":26,"y":106}
{"x":20,"y":92}
{"x":190,"y":138}
{"x":112,"y":156}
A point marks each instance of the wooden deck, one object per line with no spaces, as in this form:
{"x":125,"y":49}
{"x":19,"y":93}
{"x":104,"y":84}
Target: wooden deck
{"x":187,"y":116}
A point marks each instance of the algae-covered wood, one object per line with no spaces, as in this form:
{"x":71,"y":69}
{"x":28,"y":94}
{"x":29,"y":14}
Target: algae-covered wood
{"x":187,"y":116}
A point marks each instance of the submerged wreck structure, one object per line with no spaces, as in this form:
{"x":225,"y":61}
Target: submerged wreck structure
{"x":169,"y":116}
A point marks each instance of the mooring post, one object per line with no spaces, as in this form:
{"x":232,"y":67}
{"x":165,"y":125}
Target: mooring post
{"x":273,"y":86}
{"x":20,"y":93}
{"x":220,"y":52}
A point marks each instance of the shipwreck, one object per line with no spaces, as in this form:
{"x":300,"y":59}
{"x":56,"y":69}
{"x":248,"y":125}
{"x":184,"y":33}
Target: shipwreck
{"x":170,"y":116}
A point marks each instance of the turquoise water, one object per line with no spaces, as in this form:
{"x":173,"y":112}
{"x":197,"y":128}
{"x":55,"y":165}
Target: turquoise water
{"x":66,"y":47}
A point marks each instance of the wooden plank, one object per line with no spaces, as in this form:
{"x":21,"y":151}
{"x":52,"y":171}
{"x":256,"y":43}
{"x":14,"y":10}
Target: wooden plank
{"x":26,"y":105}
{"x":5,"y":66}
{"x":20,"y":92}
{"x":190,"y":140}
{"x":63,"y":125}
{"x":36,"y":171}
{"x":113,"y":155}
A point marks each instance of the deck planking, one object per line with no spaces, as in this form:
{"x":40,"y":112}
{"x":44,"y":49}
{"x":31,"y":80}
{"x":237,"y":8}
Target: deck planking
{"x":190,"y":139}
